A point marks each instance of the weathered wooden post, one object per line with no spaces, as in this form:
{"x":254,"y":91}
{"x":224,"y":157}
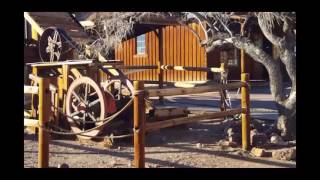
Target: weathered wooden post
{"x":242,"y":53}
{"x":223,"y":105}
{"x":139,"y":124}
{"x":44,"y":115}
{"x":245,"y":104}
{"x":160,"y":63}
{"x":65,"y":76}
{"x":33,"y":97}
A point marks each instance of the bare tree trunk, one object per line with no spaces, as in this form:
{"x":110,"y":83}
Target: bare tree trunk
{"x":286,"y":105}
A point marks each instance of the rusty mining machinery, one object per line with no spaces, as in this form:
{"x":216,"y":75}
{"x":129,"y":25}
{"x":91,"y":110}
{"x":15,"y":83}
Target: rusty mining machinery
{"x":89,"y":104}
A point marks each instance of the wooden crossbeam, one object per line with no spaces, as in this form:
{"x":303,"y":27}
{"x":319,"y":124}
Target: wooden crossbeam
{"x":31,"y":122}
{"x":185,"y":68}
{"x":184,"y":120}
{"x":200,"y":89}
{"x":31,"y":89}
{"x":33,"y":23}
{"x":74,"y":62}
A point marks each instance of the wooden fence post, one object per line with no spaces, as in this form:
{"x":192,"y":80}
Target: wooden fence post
{"x":139,"y":124}
{"x":242,"y":53}
{"x":223,"y":95}
{"x":44,"y":115}
{"x":160,"y":63}
{"x":245,"y":104}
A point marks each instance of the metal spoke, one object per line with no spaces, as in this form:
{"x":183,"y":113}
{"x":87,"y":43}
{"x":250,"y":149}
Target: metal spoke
{"x":93,"y":102}
{"x":75,"y":113}
{"x":94,"y":93}
{"x":92,"y":117}
{"x":84,"y":121}
{"x":79,"y":98}
{"x":59,"y":44}
{"x":55,"y":36}
{"x":57,"y":54}
{"x":51,"y":56}
{"x":86,"y":93}
{"x":76,"y":95}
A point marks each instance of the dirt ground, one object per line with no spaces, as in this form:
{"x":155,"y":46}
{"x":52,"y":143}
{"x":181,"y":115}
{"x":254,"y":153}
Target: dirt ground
{"x":176,"y":147}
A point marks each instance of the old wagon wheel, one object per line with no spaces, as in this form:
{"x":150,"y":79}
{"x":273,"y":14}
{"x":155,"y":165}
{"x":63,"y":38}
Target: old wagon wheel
{"x":86,"y":103}
{"x":53,"y":45}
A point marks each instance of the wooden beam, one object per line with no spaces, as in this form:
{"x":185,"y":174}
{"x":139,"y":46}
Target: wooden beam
{"x":66,"y":83}
{"x":134,"y":67}
{"x":185,"y":68}
{"x":35,"y":89}
{"x":87,"y":23}
{"x":164,"y":113}
{"x":184,"y":120}
{"x":33,"y":23}
{"x":61,"y":15}
{"x":199,"y":89}
{"x":27,"y":113}
{"x":60,"y":63}
{"x":34,"y":82}
{"x":31,"y":89}
{"x":107,"y":63}
{"x":34,"y":77}
{"x":31,"y":122}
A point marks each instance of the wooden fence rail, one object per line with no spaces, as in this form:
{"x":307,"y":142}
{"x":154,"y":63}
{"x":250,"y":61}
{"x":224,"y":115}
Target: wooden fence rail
{"x":140,"y":127}
{"x":185,"y":120}
{"x":200,"y":89}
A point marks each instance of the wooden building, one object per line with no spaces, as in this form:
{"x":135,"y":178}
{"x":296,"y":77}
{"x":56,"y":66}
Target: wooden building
{"x":180,"y":47}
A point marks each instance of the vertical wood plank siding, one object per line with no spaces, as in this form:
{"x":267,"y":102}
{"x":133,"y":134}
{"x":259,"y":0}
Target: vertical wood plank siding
{"x":180,"y":48}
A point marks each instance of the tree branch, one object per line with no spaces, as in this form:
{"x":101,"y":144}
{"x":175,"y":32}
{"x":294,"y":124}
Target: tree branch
{"x":268,"y":34}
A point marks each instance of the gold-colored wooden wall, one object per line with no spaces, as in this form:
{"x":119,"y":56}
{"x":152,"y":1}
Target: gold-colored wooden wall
{"x":180,"y":48}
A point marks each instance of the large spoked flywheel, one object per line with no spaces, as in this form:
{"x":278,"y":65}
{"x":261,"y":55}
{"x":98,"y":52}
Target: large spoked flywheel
{"x":86,"y":105}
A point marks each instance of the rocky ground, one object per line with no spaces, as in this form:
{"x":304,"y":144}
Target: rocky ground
{"x":197,"y":145}
{"x":193,"y":145}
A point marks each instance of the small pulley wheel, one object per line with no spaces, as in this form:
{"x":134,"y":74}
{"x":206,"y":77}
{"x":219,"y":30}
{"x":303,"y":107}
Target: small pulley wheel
{"x":52,"y":45}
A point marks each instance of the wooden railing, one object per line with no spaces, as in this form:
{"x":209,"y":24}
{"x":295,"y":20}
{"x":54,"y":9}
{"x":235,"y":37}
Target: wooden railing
{"x":140,"y":125}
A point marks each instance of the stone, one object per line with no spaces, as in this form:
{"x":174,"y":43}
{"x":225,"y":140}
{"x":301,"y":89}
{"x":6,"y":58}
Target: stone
{"x":63,"y":165}
{"x":258,"y":152}
{"x":277,"y":140}
{"x":257,"y":139}
{"x":284,"y":154}
{"x":227,"y":143}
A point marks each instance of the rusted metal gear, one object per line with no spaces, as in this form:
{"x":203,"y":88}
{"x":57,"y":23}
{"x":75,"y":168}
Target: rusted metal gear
{"x":87,"y":104}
